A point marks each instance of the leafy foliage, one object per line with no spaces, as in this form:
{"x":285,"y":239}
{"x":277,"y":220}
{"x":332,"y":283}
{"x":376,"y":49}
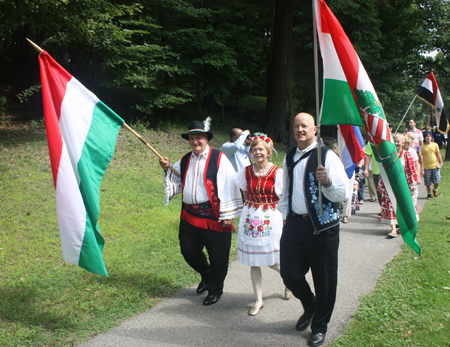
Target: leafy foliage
{"x":156,"y":55}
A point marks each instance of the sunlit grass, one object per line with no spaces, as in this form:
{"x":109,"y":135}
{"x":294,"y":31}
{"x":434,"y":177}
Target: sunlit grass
{"x":410,"y":304}
{"x":45,"y":301}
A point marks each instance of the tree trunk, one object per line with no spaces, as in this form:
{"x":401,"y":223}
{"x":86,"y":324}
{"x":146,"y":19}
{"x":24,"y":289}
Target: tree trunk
{"x":279,"y":70}
{"x":447,"y":151}
{"x":291,"y":139}
{"x":223,"y":106}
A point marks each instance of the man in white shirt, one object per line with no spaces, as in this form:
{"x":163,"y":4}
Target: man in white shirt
{"x":237,"y":148}
{"x":310,"y":240}
{"x":210,"y":202}
{"x":418,"y":136}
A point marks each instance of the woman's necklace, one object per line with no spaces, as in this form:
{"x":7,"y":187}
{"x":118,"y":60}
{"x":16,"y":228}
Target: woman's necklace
{"x":260,"y":171}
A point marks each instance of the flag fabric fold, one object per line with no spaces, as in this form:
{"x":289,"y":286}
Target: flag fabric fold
{"x":349,"y":98}
{"x":350,"y":144}
{"x":81,"y":134}
{"x":429,"y":92}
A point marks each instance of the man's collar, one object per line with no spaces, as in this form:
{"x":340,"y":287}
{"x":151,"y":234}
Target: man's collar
{"x":307,"y":149}
{"x":203,"y":154}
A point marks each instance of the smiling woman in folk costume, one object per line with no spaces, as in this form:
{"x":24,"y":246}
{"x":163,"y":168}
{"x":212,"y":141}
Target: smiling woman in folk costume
{"x":261,"y":224}
{"x":387,"y":211}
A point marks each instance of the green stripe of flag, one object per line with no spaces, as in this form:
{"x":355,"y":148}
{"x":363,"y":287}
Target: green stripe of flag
{"x":97,"y":152}
{"x":338,"y":104}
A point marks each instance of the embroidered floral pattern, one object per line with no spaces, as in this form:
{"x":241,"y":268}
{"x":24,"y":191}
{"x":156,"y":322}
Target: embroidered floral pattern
{"x":257,"y":227}
{"x":329,"y":214}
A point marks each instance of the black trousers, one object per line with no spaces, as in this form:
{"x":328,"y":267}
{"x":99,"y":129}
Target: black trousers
{"x":192,"y":242}
{"x":301,"y":250}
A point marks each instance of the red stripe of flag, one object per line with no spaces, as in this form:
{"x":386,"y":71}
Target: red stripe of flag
{"x":53,"y":91}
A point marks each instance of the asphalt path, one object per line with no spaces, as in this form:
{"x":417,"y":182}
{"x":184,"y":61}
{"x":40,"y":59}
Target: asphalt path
{"x":182,"y":320}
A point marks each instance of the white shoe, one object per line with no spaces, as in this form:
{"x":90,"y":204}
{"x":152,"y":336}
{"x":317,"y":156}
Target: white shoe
{"x":255,"y":309}
{"x":287,"y":293}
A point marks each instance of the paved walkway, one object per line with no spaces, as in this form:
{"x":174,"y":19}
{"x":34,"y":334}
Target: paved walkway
{"x":182,"y":320}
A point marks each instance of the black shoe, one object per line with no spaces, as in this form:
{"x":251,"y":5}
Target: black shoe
{"x":316,"y":339}
{"x":201,"y":286}
{"x":429,"y":196}
{"x":211,"y":299}
{"x":304,"y":321}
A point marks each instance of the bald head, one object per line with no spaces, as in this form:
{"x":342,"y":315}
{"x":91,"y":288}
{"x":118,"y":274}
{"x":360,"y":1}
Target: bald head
{"x":304,"y":115}
{"x":304,"y":130}
{"x":234,"y":134}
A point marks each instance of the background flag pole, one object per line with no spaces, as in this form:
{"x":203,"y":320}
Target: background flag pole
{"x":415,"y":96}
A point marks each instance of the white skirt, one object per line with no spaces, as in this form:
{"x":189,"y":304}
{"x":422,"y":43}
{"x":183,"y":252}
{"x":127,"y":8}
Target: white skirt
{"x":259,"y":248}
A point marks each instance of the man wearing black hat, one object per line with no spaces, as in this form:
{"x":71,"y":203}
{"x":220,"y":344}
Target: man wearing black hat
{"x":210,"y":202}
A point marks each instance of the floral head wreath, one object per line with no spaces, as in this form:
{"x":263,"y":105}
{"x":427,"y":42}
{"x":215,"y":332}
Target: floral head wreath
{"x":265,"y":138}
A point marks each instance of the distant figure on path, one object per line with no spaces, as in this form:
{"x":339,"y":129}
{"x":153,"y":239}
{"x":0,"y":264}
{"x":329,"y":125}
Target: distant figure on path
{"x":428,"y":130}
{"x":372,"y":172}
{"x":261,"y":224}
{"x":438,"y":137}
{"x":237,"y":148}
{"x":309,"y":241}
{"x":432,"y":163}
{"x":409,"y":138}
{"x":387,"y":210}
{"x":210,"y":202}
{"x":418,"y":136}
{"x":408,"y":146}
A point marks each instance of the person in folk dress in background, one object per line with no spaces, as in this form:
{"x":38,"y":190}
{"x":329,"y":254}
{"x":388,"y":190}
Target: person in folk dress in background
{"x":387,"y":210}
{"x":261,"y":224}
{"x":409,"y":146}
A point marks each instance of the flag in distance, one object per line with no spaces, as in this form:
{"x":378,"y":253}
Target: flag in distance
{"x":349,"y":98}
{"x":429,"y":92}
{"x":351,"y":143}
{"x":81,"y":134}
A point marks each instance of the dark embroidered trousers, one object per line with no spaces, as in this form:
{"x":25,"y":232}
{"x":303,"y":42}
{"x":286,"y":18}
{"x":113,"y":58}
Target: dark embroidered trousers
{"x":192,"y":242}
{"x":301,"y":250}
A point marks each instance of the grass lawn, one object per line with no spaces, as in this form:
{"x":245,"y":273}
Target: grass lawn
{"x":410,"y":305}
{"x":47,"y":302}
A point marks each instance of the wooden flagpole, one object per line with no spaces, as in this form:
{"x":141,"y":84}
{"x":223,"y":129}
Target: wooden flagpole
{"x":318,"y":116}
{"x":151,"y":148}
{"x":39,"y":49}
{"x":35,"y":46}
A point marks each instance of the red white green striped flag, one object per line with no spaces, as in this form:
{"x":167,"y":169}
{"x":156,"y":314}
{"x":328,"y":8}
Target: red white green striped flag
{"x":349,"y":98}
{"x":82,"y":134}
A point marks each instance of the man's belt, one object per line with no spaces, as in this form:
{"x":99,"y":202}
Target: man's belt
{"x":304,"y":216}
{"x":204,"y":210}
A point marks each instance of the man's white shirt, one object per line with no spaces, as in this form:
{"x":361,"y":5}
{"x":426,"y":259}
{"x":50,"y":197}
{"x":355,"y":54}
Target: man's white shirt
{"x":337,"y":192}
{"x":195,"y":190}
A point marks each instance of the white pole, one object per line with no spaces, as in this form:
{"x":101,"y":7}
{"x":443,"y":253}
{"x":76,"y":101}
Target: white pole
{"x":318,"y":115}
{"x":415,"y":96}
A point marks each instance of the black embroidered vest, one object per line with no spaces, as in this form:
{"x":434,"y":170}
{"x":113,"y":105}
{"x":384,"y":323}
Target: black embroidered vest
{"x":330,"y":210}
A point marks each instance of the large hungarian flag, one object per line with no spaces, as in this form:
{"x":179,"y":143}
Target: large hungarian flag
{"x":82,"y":134}
{"x":429,"y":92}
{"x":349,"y":98}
